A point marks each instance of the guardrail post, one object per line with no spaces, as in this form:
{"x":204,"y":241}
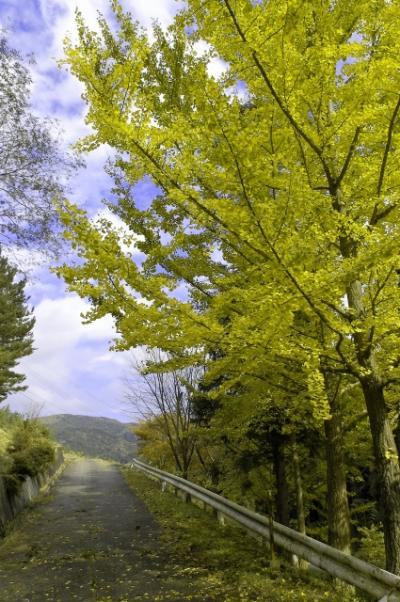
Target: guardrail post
{"x":201,"y":504}
{"x":184,"y":495}
{"x":221,"y":519}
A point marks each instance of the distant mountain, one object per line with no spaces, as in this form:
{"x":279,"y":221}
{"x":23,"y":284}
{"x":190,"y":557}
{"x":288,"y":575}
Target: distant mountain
{"x":96,"y":437}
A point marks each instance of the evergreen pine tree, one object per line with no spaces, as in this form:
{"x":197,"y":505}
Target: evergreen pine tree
{"x":16,"y":323}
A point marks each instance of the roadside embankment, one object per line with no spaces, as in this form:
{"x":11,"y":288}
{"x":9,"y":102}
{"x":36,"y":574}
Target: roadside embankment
{"x":12,"y":502}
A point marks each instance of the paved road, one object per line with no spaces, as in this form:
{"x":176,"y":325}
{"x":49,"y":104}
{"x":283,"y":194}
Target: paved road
{"x":92,"y":539}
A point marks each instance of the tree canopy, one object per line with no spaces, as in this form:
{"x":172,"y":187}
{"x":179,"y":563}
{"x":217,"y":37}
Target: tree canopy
{"x":277,"y":208}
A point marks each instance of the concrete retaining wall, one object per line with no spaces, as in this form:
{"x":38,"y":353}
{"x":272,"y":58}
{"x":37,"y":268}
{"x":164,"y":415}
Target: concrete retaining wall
{"x":12,"y":504}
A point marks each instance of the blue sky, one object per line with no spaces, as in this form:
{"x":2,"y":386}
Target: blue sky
{"x":72,"y":369}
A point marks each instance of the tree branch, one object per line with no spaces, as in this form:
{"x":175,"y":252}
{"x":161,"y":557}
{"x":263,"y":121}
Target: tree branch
{"x":296,"y":126}
{"x":349,"y":156}
{"x":387,"y":147}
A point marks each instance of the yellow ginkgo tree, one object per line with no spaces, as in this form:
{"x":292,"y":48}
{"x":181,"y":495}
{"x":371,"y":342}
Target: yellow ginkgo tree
{"x":282,"y":174}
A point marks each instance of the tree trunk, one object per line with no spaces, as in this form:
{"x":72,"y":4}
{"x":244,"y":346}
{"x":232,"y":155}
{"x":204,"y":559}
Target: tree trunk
{"x":282,"y":490}
{"x":185,"y":463}
{"x":384,"y":445}
{"x":396,"y":434}
{"x":339,"y":532}
{"x":387,"y":468}
{"x":301,"y":517}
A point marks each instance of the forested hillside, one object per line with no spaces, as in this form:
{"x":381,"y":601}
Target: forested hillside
{"x":93,"y":436}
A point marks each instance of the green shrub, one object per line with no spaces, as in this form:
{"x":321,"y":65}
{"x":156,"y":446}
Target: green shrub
{"x":29,"y":452}
{"x":372,"y":548}
{"x":12,"y":483}
{"x":33,"y":459}
{"x":5,"y":463}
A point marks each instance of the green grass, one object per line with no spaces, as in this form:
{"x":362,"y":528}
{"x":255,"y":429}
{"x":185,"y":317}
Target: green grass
{"x":236,"y":566}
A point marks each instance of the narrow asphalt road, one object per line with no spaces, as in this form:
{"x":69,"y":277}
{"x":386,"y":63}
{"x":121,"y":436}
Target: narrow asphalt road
{"x":92,"y":539}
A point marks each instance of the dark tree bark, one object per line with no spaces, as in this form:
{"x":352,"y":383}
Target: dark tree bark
{"x":339,"y":527}
{"x":387,"y":468}
{"x":282,"y":490}
{"x":301,"y":517}
{"x":383,"y":441}
{"x":339,"y":531}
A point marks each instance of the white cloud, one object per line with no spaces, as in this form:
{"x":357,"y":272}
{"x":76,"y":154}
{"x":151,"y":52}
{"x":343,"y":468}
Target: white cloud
{"x":147,"y":10}
{"x":216,"y":66}
{"x":63,"y":373}
{"x":28,"y":261}
{"x":63,"y":315}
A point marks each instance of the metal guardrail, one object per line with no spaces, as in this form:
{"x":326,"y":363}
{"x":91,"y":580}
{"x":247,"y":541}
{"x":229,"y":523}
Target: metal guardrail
{"x":374,"y":581}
